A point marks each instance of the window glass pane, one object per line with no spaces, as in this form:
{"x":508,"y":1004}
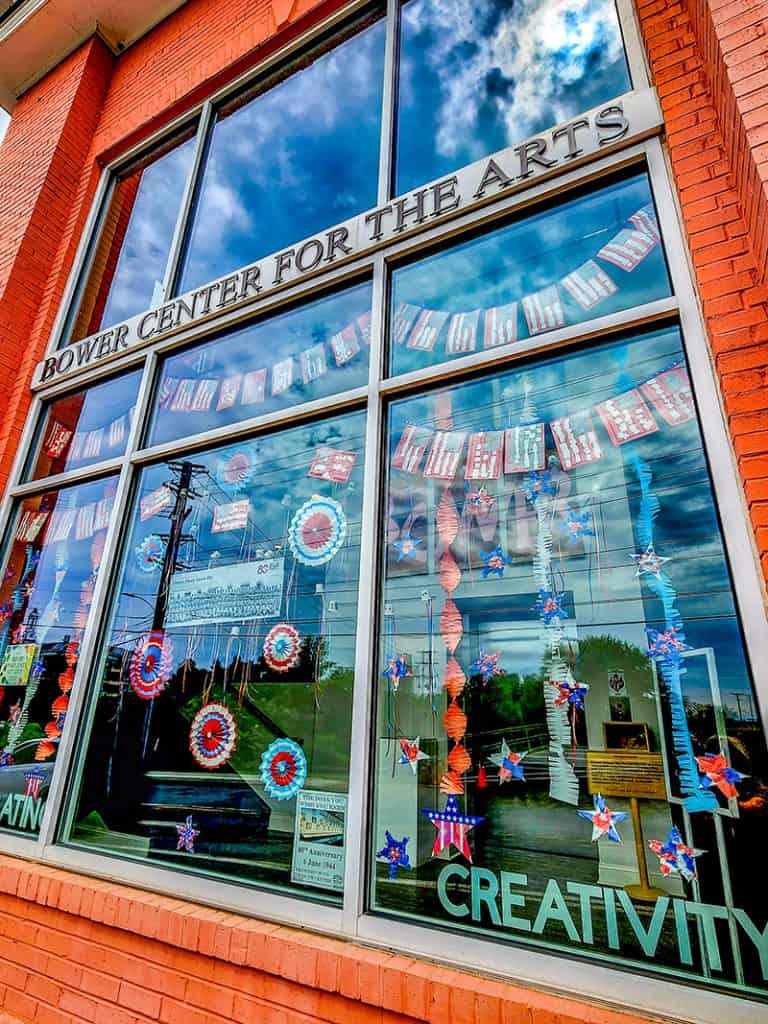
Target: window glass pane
{"x":562,"y":667}
{"x":310,"y":352}
{"x":584,"y":258}
{"x":223,"y":712}
{"x":291,"y":161}
{"x":474,"y":80}
{"x":128,"y":265}
{"x":49,"y":573}
{"x":86,"y":427}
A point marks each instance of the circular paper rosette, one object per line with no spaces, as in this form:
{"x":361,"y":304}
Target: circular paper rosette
{"x":150,"y":553}
{"x":283,"y":769}
{"x":234,"y":473}
{"x":282,"y":647}
{"x":317,"y":531}
{"x":151,"y":665}
{"x":213,"y":735}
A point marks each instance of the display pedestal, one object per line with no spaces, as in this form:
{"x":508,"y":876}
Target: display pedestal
{"x":644,"y":891}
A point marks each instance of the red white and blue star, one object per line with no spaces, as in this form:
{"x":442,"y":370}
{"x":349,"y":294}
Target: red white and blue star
{"x":187,"y":834}
{"x":716,"y":773}
{"x":411,"y":753}
{"x":604,"y":820}
{"x":648,"y":562}
{"x":495,"y":561}
{"x":452,"y":828}
{"x":510,"y":764}
{"x":487,"y":665}
{"x":395,"y":854}
{"x":675,"y":857}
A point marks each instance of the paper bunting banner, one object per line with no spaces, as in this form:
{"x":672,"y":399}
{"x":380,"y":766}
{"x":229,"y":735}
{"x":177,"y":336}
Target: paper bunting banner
{"x":675,"y":857}
{"x":231,"y":516}
{"x":344,"y":345}
{"x":453,"y":828}
{"x":411,"y":753}
{"x":670,"y":392}
{"x":282,"y":647}
{"x":154,"y":503}
{"x":102,"y":513}
{"x":648,"y":562}
{"x":500,"y":325}
{"x":404,"y":319}
{"x":589,"y":285}
{"x":524,"y":447}
{"x":182,"y":398}
{"x":236,"y":471}
{"x":332,"y":464}
{"x":445,"y":455}
{"x":716,"y":773}
{"x":151,"y":665}
{"x":30,"y":525}
{"x":576,"y":440}
{"x":485,"y":456}
{"x":255,"y":385}
{"x":313,"y":363}
{"x":118,"y":430}
{"x":410,"y":449}
{"x":510,"y":765}
{"x":57,"y":440}
{"x":282,"y":376}
{"x":283,"y":769}
{"x":396,"y":670}
{"x":230,"y":390}
{"x":394,"y":853}
{"x":187,"y":834}
{"x":577,"y":525}
{"x":426,"y":330}
{"x":486,"y":665}
{"x":363,"y":324}
{"x":494,"y":563}
{"x":33,"y":781}
{"x":203,"y":397}
{"x":84,"y":523}
{"x":92,"y":445}
{"x":604,"y":820}
{"x":212,"y":736}
{"x":628,"y":248}
{"x":317,"y":531}
{"x":60,"y":526}
{"x":543,"y":311}
{"x":462,"y":333}
{"x":454,"y":679}
{"x":626,"y":417}
{"x":150,"y":554}
{"x":168,"y":387}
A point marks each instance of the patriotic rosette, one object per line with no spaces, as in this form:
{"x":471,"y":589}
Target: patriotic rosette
{"x":150,"y":553}
{"x":317,"y":531}
{"x":151,"y":665}
{"x":212,"y":736}
{"x":283,"y":769}
{"x":234,"y":473}
{"x":282,"y":647}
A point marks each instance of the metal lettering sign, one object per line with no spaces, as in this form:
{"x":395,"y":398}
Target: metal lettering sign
{"x":630,"y":118}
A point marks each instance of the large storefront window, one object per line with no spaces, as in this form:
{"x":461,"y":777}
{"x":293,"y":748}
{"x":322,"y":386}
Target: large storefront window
{"x":53,"y":556}
{"x":220,"y":723}
{"x":568,"y":749}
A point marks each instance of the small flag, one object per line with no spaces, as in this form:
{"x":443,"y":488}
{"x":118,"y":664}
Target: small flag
{"x":117,"y":431}
{"x":313,"y":363}
{"x":84,"y":522}
{"x":332,"y":464}
{"x":30,"y":525}
{"x":445,"y":454}
{"x":543,"y":310}
{"x":345,"y":345}
{"x":282,"y":375}
{"x":485,"y":455}
{"x":626,"y":417}
{"x":204,"y":393}
{"x":232,"y":516}
{"x":525,"y":450}
{"x":500,"y":325}
{"x":427,"y":329}
{"x":58,"y":439}
{"x":62,"y":521}
{"x":411,"y":448}
{"x":670,"y":392}
{"x":93,"y":442}
{"x":254,"y":387}
{"x":589,"y":285}
{"x":230,"y":389}
{"x":154,"y":502}
{"x":576,"y":440}
{"x":182,"y":399}
{"x":405,"y":317}
{"x":462,"y":333}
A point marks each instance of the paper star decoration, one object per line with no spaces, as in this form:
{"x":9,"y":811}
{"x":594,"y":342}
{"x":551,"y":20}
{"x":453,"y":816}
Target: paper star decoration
{"x":494,"y":562}
{"x":411,"y":753}
{"x":487,"y":665}
{"x":577,"y":525}
{"x":604,"y":820}
{"x":396,"y":670}
{"x":510,"y":765}
{"x":571,"y":692}
{"x":539,"y":482}
{"x":187,"y":835}
{"x":648,"y":562}
{"x":406,"y":546}
{"x":394,"y":853}
{"x":716,"y":773}
{"x":675,"y":857}
{"x":666,"y":645}
{"x":480,"y":501}
{"x":549,"y":605}
{"x":452,"y":828}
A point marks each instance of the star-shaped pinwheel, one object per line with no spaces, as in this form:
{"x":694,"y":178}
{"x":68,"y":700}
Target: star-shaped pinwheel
{"x":604,"y":820}
{"x":577,"y":525}
{"x":667,"y":645}
{"x":406,"y":546}
{"x":411,"y":753}
{"x":675,"y":857}
{"x":549,"y":605}
{"x":494,"y":562}
{"x":396,"y":670}
{"x":187,"y":835}
{"x":510,"y":765}
{"x":570,"y":692}
{"x":486,"y":665}
{"x":453,"y":827}
{"x":539,"y":482}
{"x":394,"y":852}
{"x":480,"y":502}
{"x":648,"y":562}
{"x":716,"y":773}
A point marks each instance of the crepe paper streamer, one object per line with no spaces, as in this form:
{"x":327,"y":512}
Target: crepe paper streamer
{"x":317,"y":531}
{"x":480,"y":502}
{"x":66,"y":679}
{"x":453,"y":828}
{"x":406,"y":546}
{"x":716,"y":773}
{"x":604,"y":820}
{"x":235,"y":473}
{"x":648,"y":562}
{"x":44,"y":750}
{"x":72,"y":653}
{"x":396,"y":670}
{"x":549,"y":605}
{"x":539,"y":483}
{"x":451,"y":626}
{"x":187,"y":834}
{"x":150,"y":553}
{"x":283,"y":769}
{"x":282,"y":647}
{"x":577,"y":525}
{"x":451,"y":784}
{"x":450,"y":573}
{"x":459,"y":760}
{"x":486,"y":665}
{"x":570,"y":692}
{"x":495,"y":561}
{"x":666,"y":645}
{"x":675,"y":857}
{"x":395,"y":854}
{"x":482,"y":778}
{"x":510,"y":765}
{"x":212,"y":736}
{"x":52,"y":730}
{"x":151,"y":665}
{"x":447,"y":519}
{"x":454,"y":679}
{"x":455,"y":721}
{"x":411,"y":753}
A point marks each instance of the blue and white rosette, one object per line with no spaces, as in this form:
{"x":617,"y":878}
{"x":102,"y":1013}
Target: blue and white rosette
{"x":235,"y":472}
{"x":283,"y":769}
{"x":317,"y":531}
{"x":150,"y":553}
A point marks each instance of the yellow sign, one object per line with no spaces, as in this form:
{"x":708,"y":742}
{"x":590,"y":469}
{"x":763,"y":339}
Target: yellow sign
{"x":626,"y":773}
{"x":17,"y":663}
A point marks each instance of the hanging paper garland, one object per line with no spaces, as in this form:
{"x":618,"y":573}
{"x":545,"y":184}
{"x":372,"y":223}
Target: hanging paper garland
{"x":317,"y":531}
{"x":150,"y":553}
{"x":151,"y":665}
{"x":603,"y":819}
{"x":283,"y":769}
{"x":212,"y":736}
{"x":675,"y":856}
{"x":235,"y":473}
{"x":394,"y":853}
{"x":282,"y":647}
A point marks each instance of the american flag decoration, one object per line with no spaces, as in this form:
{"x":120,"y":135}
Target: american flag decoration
{"x":543,"y":310}
{"x":182,"y":399}
{"x":332,"y":464}
{"x":576,"y":440}
{"x":86,"y":516}
{"x":282,"y":376}
{"x":630,"y":246}
{"x":426,"y":330}
{"x":102,"y":513}
{"x":231,"y":516}
{"x":345,"y":345}
{"x":77,"y":445}
{"x":500,"y":325}
{"x":589,"y":285}
{"x":230,"y":389}
{"x":93,"y":442}
{"x":405,"y":318}
{"x":645,"y":221}
{"x":57,"y":440}
{"x":410,"y":449}
{"x":453,"y":828}
{"x":117,"y":431}
{"x":445,"y":455}
{"x":670,"y":392}
{"x":60,"y":526}
{"x":524,"y":448}
{"x":604,"y":820}
{"x":626,"y":417}
{"x":485,"y":455}
{"x":313,"y":363}
{"x":364,"y":326}
{"x":462,"y":333}
{"x":255,"y":383}
{"x":154,"y":502}
{"x":167,"y":391}
{"x":203,"y":397}
{"x":30,"y":525}
{"x":33,"y":781}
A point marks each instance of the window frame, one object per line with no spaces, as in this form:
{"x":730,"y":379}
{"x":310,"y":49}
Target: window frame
{"x":354,"y":920}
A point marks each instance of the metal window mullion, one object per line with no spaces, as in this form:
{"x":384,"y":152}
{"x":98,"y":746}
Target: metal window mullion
{"x":181,"y":229}
{"x":365,"y":631}
{"x":68,"y":478}
{"x":633,"y":44}
{"x":389,"y":102}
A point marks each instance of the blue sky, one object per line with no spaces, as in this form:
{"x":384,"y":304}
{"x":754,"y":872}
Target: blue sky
{"x":3,"y":123}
